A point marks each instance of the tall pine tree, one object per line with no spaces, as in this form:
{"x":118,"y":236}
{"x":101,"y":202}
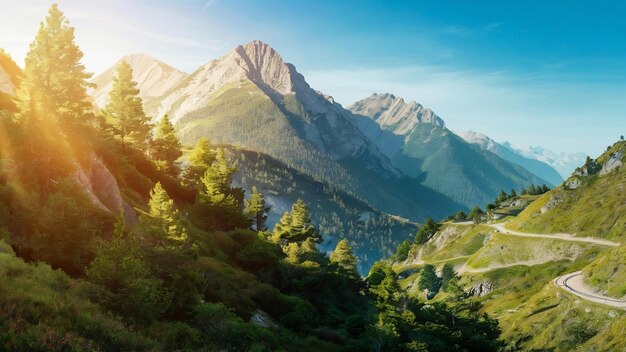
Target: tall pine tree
{"x":52,"y":101}
{"x":124,"y":110}
{"x":54,"y":84}
{"x":343,"y":257}
{"x":165,"y":214}
{"x":219,"y":205}
{"x":257,"y":210}
{"x":165,"y":147}
{"x":200,"y":159}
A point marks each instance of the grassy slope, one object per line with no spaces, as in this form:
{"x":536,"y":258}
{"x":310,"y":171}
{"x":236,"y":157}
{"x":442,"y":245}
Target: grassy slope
{"x":608,"y":273}
{"x":43,"y":309}
{"x":597,"y":208}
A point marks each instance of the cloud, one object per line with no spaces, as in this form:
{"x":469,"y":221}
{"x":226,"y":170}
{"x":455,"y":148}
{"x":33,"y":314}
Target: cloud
{"x":207,"y":5}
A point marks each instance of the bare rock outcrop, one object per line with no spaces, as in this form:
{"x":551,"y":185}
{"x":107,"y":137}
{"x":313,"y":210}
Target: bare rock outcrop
{"x":480,"y":289}
{"x":613,"y":163}
{"x":101,"y":187}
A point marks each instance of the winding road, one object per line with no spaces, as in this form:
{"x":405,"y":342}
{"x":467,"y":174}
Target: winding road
{"x":574,"y":283}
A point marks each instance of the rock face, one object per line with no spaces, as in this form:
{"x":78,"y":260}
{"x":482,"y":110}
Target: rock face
{"x":153,"y":78}
{"x":555,"y":199}
{"x":320,"y":120}
{"x":101,"y":187}
{"x":394,"y":113}
{"x":613,"y":163}
{"x":573,"y":182}
{"x":480,"y":289}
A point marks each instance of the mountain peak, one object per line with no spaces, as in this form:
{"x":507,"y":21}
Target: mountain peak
{"x":153,"y":77}
{"x":394,"y":113}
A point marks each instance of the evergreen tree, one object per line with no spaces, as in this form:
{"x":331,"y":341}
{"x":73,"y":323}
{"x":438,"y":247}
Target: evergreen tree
{"x":402,"y":252}
{"x":219,"y":205}
{"x":124,"y":110}
{"x":257,"y":210}
{"x":342,"y":256}
{"x":428,"y":279}
{"x":447,"y":275}
{"x":296,"y":226}
{"x":475,"y":214}
{"x":165,"y":147}
{"x":426,"y":231}
{"x":52,"y":101}
{"x":54,"y":84}
{"x":200,"y":159}
{"x":502,"y":197}
{"x":513,"y":193}
{"x":162,"y":209}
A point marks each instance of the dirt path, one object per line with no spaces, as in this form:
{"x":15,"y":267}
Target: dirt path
{"x":574,"y":283}
{"x":560,"y":236}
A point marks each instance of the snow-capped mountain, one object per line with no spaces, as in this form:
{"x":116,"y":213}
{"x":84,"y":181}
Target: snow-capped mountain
{"x":564,"y":163}
{"x":154,"y":78}
{"x":537,"y":167}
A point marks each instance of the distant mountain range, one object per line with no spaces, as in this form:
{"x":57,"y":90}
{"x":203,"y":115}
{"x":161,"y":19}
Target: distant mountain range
{"x":395,"y":157}
{"x":506,"y":152}
{"x":564,"y":163}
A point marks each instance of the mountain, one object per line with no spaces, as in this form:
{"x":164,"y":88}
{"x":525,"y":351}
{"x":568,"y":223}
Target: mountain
{"x":537,"y":167}
{"x":562,"y":162}
{"x":251,"y":99}
{"x":153,"y":78}
{"x":418,"y":143}
{"x":395,"y":114}
{"x":554,"y":275}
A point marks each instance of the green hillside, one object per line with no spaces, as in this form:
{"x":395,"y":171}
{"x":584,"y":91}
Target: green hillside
{"x":596,"y":208}
{"x":242,"y":115}
{"x":461,"y":171}
{"x":372,"y":235}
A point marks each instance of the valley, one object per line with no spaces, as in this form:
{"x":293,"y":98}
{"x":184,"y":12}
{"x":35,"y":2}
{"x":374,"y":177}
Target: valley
{"x":231,"y":206}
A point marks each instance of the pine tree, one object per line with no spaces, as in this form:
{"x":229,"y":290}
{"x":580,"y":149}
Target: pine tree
{"x":426,"y":231}
{"x":257,"y":210}
{"x":52,"y":101}
{"x":296,"y":226}
{"x":219,"y":205}
{"x":165,"y":147}
{"x":513,"y":193}
{"x":342,"y":256}
{"x":428,"y":279}
{"x":54,"y":84}
{"x":447,"y":275}
{"x":124,"y":110}
{"x":217,"y":179}
{"x":476,"y":214}
{"x":162,"y":210}
{"x":200,"y":159}
{"x":402,"y":252}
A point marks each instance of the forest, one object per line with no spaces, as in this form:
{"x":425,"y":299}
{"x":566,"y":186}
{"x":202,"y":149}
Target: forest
{"x":108,"y":243}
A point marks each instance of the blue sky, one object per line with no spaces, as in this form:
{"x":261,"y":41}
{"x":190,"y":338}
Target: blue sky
{"x":550,"y":73}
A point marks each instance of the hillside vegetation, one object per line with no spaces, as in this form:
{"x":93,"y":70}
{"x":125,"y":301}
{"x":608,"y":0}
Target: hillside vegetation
{"x":595,"y":208}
